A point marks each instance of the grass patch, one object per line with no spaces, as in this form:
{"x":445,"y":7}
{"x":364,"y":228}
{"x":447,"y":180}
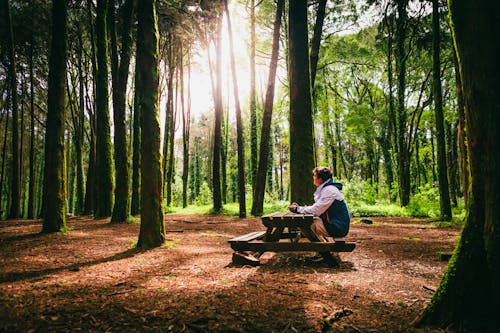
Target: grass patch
{"x":170,"y":243}
{"x":409,"y":238}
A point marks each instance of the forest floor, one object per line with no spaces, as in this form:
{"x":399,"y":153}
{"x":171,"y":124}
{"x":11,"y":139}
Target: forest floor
{"x":93,"y":279}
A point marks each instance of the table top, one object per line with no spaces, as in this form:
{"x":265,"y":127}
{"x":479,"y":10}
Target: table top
{"x":287,"y":219}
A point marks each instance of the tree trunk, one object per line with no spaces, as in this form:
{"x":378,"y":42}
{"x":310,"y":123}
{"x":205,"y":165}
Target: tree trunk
{"x":461,"y":129}
{"x":135,"y":205}
{"x":239,"y":124}
{"x":216,"y":183}
{"x":31,"y":189}
{"x":390,"y":141}
{"x":16,"y":158}
{"x":316,"y":39}
{"x":2,"y":170}
{"x":152,"y":230}
{"x":260,"y":184}
{"x":121,"y":209}
{"x":301,"y":124}
{"x":103,"y":178}
{"x":169,"y":110}
{"x":91,"y":170}
{"x":186,"y":124}
{"x":468,"y":297}
{"x":54,"y":177}
{"x":403,"y":151}
{"x":444,"y":189}
{"x":452,"y":159}
{"x":252,"y":106}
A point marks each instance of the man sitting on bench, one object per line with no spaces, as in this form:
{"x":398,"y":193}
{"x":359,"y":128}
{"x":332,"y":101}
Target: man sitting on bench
{"x":331,"y":216}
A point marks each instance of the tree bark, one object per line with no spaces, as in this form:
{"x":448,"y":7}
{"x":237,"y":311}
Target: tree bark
{"x":54,"y":219}
{"x":260,"y":184}
{"x":468,"y":297}
{"x":152,"y":230}
{"x":301,"y":125}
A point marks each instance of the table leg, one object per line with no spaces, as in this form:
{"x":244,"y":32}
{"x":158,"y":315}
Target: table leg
{"x":327,"y":256}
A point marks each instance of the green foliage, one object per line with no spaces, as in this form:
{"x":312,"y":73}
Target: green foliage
{"x":360,"y":193}
{"x":425,"y":203}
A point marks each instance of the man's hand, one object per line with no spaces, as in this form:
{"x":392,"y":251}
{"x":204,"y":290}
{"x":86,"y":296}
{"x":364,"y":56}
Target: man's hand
{"x":293,"y":207}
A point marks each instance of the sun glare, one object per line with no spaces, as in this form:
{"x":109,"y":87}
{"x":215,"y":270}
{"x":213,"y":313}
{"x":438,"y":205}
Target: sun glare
{"x":201,"y":86}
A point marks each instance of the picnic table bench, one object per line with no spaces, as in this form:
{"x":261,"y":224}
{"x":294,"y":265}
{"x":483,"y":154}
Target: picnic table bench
{"x":285,"y":232}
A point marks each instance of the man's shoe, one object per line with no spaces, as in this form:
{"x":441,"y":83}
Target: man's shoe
{"x":315,"y":258}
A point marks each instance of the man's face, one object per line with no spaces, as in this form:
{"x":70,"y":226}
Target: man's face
{"x":317,"y":181}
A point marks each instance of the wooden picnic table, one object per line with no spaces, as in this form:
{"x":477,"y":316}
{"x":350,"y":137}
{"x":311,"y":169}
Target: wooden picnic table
{"x":285,"y":231}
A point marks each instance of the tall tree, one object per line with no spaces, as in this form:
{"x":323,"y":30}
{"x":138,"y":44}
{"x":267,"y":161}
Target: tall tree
{"x":468,"y":297}
{"x":401,"y":113}
{"x":120,"y":70}
{"x":91,"y":170}
{"x":135,"y":205}
{"x":301,"y":125}
{"x":239,"y":124}
{"x":31,"y":189}
{"x":216,"y":165}
{"x":55,"y":175}
{"x":316,"y":39}
{"x":444,"y":189}
{"x":461,"y":128}
{"x":186,"y":126}
{"x":79,"y":127}
{"x":103,"y":178}
{"x":252,"y":103}
{"x":152,"y":231}
{"x":260,"y":184}
{"x":15,"y":201}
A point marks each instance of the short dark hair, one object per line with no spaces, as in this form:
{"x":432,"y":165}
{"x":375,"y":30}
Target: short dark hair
{"x":322,"y":172}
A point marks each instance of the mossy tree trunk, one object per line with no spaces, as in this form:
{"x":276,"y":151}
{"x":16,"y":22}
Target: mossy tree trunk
{"x":54,"y":218}
{"x":301,"y":124}
{"x":103,"y":177}
{"x":468,"y":297}
{"x":120,"y":69}
{"x":152,"y":230}
{"x":265,"y":136}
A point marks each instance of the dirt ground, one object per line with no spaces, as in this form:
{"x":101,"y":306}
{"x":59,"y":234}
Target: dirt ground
{"x":93,"y":279}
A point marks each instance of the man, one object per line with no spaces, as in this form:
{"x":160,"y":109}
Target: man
{"x":331,"y":216}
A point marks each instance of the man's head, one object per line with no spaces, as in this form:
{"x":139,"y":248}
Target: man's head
{"x":322,"y":173}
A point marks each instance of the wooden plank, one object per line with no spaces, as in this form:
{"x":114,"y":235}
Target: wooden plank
{"x":260,"y":246}
{"x":247,"y":237}
{"x":240,"y":258}
{"x":303,"y":221}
